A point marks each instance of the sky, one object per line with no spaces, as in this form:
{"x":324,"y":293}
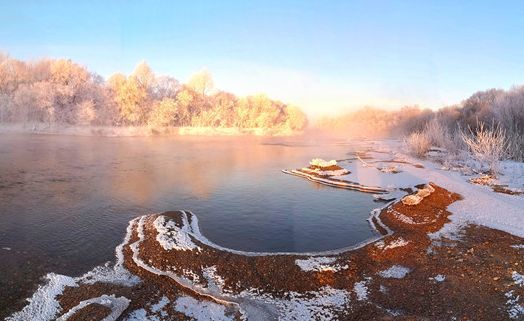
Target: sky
{"x":327,"y":57}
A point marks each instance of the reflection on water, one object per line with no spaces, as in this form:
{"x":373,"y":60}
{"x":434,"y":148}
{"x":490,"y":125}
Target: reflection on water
{"x":65,"y":201}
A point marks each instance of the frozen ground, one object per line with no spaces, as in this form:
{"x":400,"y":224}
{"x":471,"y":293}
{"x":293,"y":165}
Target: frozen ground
{"x":481,"y":205}
{"x":381,"y":164}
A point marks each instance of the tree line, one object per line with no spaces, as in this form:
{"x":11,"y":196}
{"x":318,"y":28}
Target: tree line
{"x":489,"y":111}
{"x":62,"y":92}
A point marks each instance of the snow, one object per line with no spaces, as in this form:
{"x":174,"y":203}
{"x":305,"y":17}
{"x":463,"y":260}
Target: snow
{"x":320,"y":264}
{"x":160,"y":305}
{"x":214,"y":281}
{"x":512,"y":175}
{"x":42,"y":305}
{"x":399,"y":242}
{"x":322,"y":163}
{"x":438,"y":278}
{"x":518,"y":278}
{"x":337,"y":172}
{"x":106,"y":274}
{"x":172,"y":237}
{"x":518,"y":246}
{"x":370,"y":175}
{"x":201,"y":310}
{"x":361,"y":289}
{"x":395,"y":272}
{"x":313,"y":306}
{"x":415,"y":199}
{"x":480,"y":205}
{"x":141,"y":315}
{"x":515,"y":310}
{"x":117,"y":306}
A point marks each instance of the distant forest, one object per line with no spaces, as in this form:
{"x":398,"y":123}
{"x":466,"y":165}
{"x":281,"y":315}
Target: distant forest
{"x":61,"y":92}
{"x":494,"y":110}
{"x":491,"y":107}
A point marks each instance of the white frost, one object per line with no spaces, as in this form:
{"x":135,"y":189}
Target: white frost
{"x":172,"y":237}
{"x":361,"y":290}
{"x":395,"y":272}
{"x":515,"y":310}
{"x":320,"y":264}
{"x":201,"y":310}
{"x":415,"y":199}
{"x":313,"y":306}
{"x":391,"y":245}
{"x":517,"y":278}
{"x":439,"y":278}
{"x":337,"y":172}
{"x":117,"y":306}
{"x":42,"y":305}
{"x":322,"y":163}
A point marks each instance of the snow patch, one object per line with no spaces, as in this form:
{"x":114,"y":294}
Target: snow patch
{"x":337,"y":172}
{"x":117,"y":306}
{"x":314,"y":306}
{"x":215,"y":282}
{"x":517,"y":278}
{"x":391,"y":245}
{"x":160,"y":305}
{"x":395,"y":272}
{"x":361,"y":289}
{"x":322,"y":163}
{"x":172,"y":237}
{"x":515,"y":310}
{"x":201,"y":310}
{"x":438,"y":278}
{"x":320,"y":264}
{"x":415,"y":199}
{"x":43,"y":305}
{"x":141,"y":315}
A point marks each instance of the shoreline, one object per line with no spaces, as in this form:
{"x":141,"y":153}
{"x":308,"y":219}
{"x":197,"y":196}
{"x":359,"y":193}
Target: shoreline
{"x":430,"y":263}
{"x":396,"y":262}
{"x":143,"y":131}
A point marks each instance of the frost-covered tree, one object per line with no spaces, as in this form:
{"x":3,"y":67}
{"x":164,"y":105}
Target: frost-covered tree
{"x":201,"y":82}
{"x":62,"y":92}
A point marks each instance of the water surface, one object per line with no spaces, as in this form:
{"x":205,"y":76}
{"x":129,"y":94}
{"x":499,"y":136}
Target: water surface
{"x":65,"y":201}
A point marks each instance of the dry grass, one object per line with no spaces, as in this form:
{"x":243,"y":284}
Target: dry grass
{"x":418,"y":144}
{"x":488,"y":146}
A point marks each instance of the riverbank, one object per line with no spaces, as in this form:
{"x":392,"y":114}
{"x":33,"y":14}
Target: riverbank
{"x":132,"y":131}
{"x":408,"y":273}
{"x":449,"y":249}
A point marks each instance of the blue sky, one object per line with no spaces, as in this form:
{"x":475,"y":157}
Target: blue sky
{"x":325,"y":56}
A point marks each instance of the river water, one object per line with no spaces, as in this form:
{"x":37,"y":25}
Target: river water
{"x":65,"y":201}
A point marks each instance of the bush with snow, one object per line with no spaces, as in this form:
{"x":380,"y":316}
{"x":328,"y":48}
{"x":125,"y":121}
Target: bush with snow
{"x":488,"y":146}
{"x":418,"y":144}
{"x":318,"y":162}
{"x":438,"y":135}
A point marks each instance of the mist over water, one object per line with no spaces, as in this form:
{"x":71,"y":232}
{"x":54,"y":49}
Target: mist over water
{"x":65,"y":201}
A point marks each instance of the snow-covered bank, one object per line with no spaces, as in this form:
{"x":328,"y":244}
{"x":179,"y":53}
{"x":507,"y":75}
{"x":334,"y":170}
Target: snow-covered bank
{"x":480,"y":204}
{"x":478,"y":275}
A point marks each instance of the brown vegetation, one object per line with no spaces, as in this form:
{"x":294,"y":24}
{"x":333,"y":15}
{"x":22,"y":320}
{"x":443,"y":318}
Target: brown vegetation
{"x":475,"y":271}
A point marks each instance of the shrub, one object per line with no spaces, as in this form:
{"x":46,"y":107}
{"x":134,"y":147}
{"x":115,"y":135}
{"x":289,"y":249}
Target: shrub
{"x":488,"y":146}
{"x":418,"y":144}
{"x":438,"y":135}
